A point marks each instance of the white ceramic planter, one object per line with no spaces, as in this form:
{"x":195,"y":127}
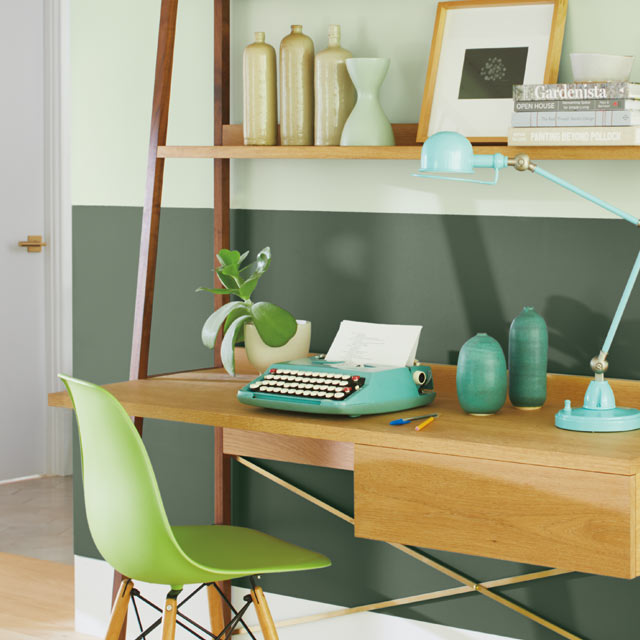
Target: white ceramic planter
{"x":261,"y":355}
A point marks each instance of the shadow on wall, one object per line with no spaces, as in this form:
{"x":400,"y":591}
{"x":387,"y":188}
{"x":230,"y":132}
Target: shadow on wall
{"x":576,"y":334}
{"x":481,"y":301}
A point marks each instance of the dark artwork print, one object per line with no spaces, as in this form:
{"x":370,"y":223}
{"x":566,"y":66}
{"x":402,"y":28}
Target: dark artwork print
{"x":491,"y":73}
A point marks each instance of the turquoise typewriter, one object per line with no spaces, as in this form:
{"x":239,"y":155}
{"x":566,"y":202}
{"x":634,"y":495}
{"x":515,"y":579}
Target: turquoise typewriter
{"x":313,"y":385}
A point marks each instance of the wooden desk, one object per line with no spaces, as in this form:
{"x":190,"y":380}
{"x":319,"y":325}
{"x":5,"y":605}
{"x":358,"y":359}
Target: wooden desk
{"x":509,"y":486}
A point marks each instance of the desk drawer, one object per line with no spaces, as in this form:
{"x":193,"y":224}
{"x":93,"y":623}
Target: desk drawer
{"x":562,"y":518}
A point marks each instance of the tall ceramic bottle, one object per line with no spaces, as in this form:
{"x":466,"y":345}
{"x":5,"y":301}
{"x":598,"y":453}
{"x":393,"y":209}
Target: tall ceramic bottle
{"x":335,"y":94}
{"x":528,"y":350}
{"x":260,"y":114}
{"x":296,"y":88}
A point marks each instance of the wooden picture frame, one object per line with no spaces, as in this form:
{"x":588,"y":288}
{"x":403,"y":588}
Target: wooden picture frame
{"x":531,"y":70}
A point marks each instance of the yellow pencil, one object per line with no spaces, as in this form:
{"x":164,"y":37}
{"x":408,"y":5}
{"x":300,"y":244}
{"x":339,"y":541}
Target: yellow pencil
{"x":422,"y":425}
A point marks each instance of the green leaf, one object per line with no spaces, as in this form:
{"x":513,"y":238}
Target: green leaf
{"x":229,"y":342}
{"x":227,"y":257}
{"x":228,"y":270}
{"x":264,"y":260}
{"x":275,"y":325}
{"x":242,"y":257}
{"x":247,"y":287}
{"x":236,"y":313}
{"x":251,"y":266}
{"x":215,"y":321}
{"x":229,"y":261}
{"x":227,"y":281}
{"x":222,"y":291}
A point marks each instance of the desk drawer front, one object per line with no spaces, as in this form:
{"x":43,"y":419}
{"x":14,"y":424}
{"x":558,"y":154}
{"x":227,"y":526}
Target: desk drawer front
{"x":272,"y":446}
{"x":572,"y":520}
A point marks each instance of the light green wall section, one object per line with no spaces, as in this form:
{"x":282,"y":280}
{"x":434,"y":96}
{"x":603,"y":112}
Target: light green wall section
{"x":113,"y":57}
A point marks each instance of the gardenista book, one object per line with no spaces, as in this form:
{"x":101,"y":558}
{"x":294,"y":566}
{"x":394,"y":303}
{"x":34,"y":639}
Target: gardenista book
{"x":577,"y":91}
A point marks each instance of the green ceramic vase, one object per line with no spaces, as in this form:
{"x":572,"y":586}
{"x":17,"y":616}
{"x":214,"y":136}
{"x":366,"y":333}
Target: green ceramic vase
{"x":481,"y":377}
{"x":528,"y":350}
{"x":367,"y":123}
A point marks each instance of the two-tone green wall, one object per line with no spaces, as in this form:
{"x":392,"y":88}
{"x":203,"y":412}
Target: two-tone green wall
{"x":345,"y":245}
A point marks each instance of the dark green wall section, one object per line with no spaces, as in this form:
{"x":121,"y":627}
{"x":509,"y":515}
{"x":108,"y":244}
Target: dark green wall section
{"x":105,"y":259}
{"x":455,"y":275}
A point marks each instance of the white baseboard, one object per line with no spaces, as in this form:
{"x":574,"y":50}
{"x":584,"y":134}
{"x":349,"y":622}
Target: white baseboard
{"x":22,"y":478}
{"x":93,"y":579}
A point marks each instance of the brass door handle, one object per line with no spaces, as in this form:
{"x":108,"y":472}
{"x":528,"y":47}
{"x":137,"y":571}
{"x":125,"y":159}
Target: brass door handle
{"x":34,"y":244}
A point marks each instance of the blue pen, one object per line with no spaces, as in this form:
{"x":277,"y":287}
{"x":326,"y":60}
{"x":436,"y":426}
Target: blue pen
{"x":395,"y":423}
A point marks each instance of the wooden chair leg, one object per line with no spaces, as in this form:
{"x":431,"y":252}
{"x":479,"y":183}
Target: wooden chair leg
{"x":119,"y":611}
{"x":267,"y":625}
{"x":216,"y":610}
{"x":169,"y":616}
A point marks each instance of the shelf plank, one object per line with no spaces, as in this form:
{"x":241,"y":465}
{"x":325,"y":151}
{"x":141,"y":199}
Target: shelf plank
{"x":406,"y":149}
{"x":390,"y":153}
{"x":297,"y":153}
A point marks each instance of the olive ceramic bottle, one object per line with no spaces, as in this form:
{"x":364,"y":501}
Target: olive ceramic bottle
{"x":528,"y":350}
{"x":481,"y":376}
{"x":296,"y":88}
{"x":335,"y":94}
{"x":259,"y":96}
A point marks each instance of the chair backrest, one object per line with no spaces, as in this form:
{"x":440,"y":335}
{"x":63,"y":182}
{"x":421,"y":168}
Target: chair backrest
{"x":124,"y":508}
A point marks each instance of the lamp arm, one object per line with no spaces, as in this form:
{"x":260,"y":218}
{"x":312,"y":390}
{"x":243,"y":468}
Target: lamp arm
{"x":522,"y":163}
{"x":599,"y":364}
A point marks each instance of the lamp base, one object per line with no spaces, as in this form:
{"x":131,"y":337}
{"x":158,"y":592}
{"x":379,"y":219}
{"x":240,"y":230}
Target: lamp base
{"x":599,"y":420}
{"x":599,"y":413}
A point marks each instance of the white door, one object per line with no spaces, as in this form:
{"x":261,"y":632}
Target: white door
{"x":22,"y":276}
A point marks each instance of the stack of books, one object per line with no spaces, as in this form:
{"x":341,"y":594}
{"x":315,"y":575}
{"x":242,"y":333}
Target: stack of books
{"x":593,"y":113}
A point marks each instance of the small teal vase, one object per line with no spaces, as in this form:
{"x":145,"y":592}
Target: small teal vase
{"x":367,"y":124}
{"x":481,"y":377}
{"x":528,"y":350}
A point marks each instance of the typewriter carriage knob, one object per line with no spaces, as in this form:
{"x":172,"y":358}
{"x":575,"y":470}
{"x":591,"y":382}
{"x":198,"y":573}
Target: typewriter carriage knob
{"x":419,"y":377}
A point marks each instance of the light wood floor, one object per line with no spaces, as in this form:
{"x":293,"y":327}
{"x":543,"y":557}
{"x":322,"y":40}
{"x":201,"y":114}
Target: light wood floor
{"x":36,"y":592}
{"x":36,"y":600}
{"x":36,"y":518}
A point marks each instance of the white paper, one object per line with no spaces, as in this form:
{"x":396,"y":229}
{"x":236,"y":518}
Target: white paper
{"x":393,"y":345}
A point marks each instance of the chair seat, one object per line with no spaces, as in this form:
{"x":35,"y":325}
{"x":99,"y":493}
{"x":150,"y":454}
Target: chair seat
{"x":238,"y":551}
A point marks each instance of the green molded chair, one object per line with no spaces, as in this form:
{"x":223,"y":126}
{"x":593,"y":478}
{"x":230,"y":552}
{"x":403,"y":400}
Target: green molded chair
{"x":130,"y":527}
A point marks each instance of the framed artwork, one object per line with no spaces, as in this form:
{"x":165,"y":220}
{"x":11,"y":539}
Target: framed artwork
{"x":480,"y":49}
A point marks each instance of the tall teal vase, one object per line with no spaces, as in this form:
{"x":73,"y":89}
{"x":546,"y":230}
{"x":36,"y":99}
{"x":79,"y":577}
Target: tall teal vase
{"x":481,"y":377}
{"x":528,"y":350}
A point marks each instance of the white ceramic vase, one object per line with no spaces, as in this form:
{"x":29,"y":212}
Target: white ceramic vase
{"x":261,"y":355}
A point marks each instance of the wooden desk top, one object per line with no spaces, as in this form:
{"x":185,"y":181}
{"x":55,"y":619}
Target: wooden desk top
{"x":206,"y":397}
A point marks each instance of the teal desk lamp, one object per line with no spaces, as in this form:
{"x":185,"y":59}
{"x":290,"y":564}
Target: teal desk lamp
{"x":450,"y":153}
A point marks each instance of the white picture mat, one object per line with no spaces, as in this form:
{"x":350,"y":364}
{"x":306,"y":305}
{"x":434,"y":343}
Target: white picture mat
{"x":483,"y":28}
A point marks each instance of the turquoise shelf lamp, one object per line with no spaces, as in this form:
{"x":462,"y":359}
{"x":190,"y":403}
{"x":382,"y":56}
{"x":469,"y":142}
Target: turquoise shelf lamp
{"x":446,"y":155}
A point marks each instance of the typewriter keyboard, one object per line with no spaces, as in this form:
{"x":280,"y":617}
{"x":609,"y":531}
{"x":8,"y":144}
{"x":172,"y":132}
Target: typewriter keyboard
{"x":308,"y":384}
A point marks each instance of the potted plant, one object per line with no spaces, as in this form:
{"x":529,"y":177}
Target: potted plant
{"x":270,"y":330}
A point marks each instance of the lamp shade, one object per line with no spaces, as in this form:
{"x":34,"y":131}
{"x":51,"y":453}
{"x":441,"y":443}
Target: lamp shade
{"x":447,"y":152}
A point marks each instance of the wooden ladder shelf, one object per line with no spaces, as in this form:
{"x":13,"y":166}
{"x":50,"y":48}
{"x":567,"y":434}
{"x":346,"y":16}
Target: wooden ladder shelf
{"x":227,"y":144}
